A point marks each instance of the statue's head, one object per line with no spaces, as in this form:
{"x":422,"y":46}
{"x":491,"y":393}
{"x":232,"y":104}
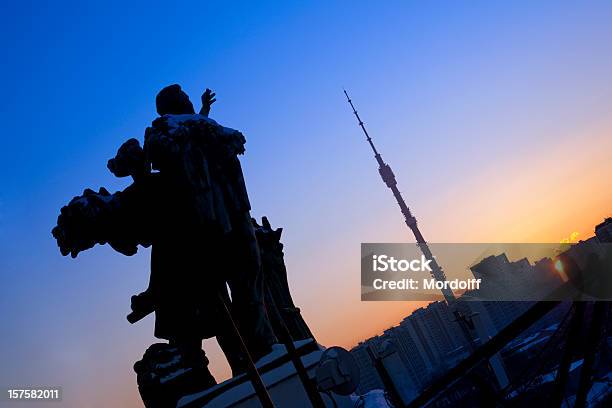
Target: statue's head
{"x":172,"y":100}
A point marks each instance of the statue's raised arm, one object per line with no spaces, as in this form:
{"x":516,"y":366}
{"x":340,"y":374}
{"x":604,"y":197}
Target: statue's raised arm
{"x":208,"y":98}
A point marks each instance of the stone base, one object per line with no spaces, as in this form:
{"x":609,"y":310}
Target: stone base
{"x":164,"y":375}
{"x":280,"y":378}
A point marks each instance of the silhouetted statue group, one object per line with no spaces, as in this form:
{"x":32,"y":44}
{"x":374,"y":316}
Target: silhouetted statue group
{"x":189,"y":202}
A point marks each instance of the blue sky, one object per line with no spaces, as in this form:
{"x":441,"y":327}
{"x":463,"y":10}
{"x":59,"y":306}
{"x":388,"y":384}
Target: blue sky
{"x":490,"y":116}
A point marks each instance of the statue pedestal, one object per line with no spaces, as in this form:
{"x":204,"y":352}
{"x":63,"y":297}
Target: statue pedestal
{"x":279,"y":376}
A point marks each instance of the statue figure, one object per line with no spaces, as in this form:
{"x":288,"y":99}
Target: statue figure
{"x":208,"y":240}
{"x":189,"y":202}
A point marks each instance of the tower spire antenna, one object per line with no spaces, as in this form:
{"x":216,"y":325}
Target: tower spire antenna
{"x":362,"y":125}
{"x":389,"y":179}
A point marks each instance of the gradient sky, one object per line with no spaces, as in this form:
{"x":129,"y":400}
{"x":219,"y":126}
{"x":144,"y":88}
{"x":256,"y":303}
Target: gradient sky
{"x":496,"y":120}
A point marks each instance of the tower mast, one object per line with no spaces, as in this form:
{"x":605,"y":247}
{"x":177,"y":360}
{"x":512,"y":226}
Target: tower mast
{"x":465,"y":322}
{"x":389,"y":179}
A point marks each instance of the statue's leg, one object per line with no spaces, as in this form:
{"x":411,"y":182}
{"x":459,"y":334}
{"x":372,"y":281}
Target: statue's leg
{"x":245,"y":279}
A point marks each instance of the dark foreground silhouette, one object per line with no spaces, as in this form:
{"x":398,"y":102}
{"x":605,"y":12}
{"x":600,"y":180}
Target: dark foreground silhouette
{"x":189,"y":202}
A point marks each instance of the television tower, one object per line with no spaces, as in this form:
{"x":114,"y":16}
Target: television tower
{"x":389,"y":178}
{"x":465,"y":322}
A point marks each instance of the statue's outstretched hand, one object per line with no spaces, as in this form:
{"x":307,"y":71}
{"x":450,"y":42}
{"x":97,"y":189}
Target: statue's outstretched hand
{"x":208,"y":98}
{"x":142,"y":305}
